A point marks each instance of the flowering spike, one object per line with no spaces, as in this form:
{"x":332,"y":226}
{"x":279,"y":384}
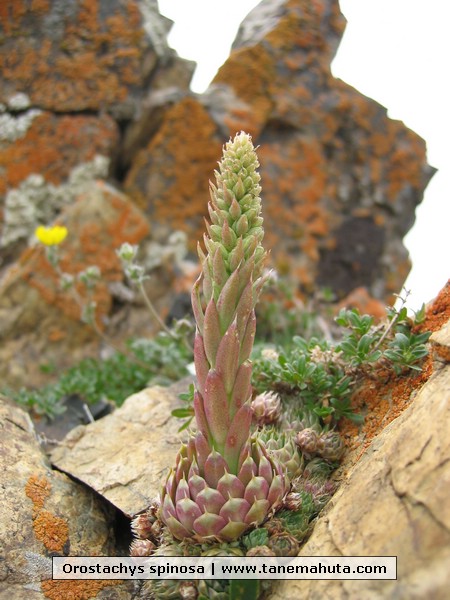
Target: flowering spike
{"x":225,"y":481}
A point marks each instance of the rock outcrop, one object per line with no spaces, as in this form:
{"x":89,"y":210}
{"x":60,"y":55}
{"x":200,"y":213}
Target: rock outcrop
{"x":391,"y":500}
{"x":90,"y":90}
{"x":45,"y":513}
{"x":340,"y":180}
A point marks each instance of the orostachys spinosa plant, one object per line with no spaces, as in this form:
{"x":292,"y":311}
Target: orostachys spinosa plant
{"x":224,"y":481}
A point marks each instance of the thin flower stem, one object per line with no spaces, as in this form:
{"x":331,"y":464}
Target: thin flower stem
{"x":392,"y":322}
{"x":156,"y":316}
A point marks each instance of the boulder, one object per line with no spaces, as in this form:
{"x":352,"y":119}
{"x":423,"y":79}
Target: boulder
{"x":126,"y":455}
{"x":393,"y":500}
{"x":341,"y":180}
{"x":40,"y":323}
{"x":83,"y":55}
{"x":44,"y":513}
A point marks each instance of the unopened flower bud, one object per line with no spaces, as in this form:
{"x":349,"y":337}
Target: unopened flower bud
{"x":266,"y":408}
{"x":127,"y":252}
{"x":330,"y":446}
{"x":308,"y":441}
{"x":142,"y":548}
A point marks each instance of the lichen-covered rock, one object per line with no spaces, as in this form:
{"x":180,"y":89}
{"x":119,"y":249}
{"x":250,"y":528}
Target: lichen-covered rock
{"x":39,"y":321}
{"x":47,"y":148}
{"x":44,"y":513}
{"x":341,"y":181}
{"x":84,"y":55}
{"x":169,"y":177}
{"x":124,"y":455}
{"x":394,"y":501}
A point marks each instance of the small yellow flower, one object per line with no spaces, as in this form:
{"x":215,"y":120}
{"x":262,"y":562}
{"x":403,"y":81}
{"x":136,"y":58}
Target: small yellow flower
{"x":51,"y":236}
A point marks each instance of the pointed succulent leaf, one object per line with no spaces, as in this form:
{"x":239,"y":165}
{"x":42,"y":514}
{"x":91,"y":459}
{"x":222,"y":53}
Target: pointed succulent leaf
{"x":235,"y":509}
{"x":242,"y":385}
{"x":248,"y":339}
{"x":230,"y":486}
{"x":247,"y":471}
{"x":256,"y":489}
{"x":227,"y":357}
{"x":211,"y":332}
{"x":208,"y":524}
{"x":210,"y":500}
{"x":182,"y":490}
{"x":201,"y":362}
{"x":176,"y":528}
{"x":215,"y":404}
{"x":215,"y":467}
{"x":233,"y":530}
{"x":202,"y":421}
{"x":258,"y":512}
{"x":187,"y":512}
{"x":226,"y":303}
{"x":236,"y":437}
{"x":196,"y":485}
{"x":220,"y":273}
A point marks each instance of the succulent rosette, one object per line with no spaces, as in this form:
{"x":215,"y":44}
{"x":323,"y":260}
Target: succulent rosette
{"x":224,"y":481}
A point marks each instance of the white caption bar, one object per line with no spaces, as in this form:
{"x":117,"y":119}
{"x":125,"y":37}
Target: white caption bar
{"x":304,"y":567}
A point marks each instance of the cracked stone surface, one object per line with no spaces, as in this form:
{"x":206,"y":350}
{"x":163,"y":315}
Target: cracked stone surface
{"x":394,"y":502}
{"x":126,"y":455}
{"x":43,"y":513}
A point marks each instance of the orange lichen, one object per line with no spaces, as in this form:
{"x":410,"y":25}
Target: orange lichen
{"x":179,"y":195}
{"x":38,"y":490}
{"x":51,"y":530}
{"x":382,"y":397}
{"x":97,"y":61}
{"x":437,"y":311}
{"x":53,"y":145}
{"x":75,"y":589}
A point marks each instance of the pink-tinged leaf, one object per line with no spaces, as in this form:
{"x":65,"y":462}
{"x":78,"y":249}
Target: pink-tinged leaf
{"x":215,"y":404}
{"x":235,"y":210}
{"x":246,"y":273}
{"x":170,"y":486}
{"x":211,"y":332}
{"x":167,"y":508}
{"x":200,"y":416}
{"x":245,"y":453}
{"x":176,"y":528}
{"x":208,"y":524}
{"x":182,"y":468}
{"x":235,"y":509}
{"x":276,"y":491}
{"x":230,"y":486}
{"x":202,"y":365}
{"x":226,"y":303}
{"x":248,"y":338}
{"x":228,"y":196}
{"x":247,"y":471}
{"x":232,"y":531}
{"x":244,"y":308}
{"x":258,"y":512}
{"x":256,"y":489}
{"x":258,"y":286}
{"x":227,"y":357}
{"x":210,"y":500}
{"x":197,"y":304}
{"x":242,"y":225}
{"x":220,"y":274}
{"x":187,"y":512}
{"x":215,"y":467}
{"x":202,"y":450}
{"x":196,"y":485}
{"x":213,"y":210}
{"x":238,"y":434}
{"x":182,"y":491}
{"x":236,"y":256}
{"x":242,"y":386}
{"x":265,"y":469}
{"x":228,"y":237}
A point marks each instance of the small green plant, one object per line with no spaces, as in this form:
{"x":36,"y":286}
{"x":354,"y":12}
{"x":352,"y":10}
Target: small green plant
{"x":161,"y":360}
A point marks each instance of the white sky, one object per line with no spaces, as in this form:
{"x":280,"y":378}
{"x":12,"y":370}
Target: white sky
{"x":395,"y":51}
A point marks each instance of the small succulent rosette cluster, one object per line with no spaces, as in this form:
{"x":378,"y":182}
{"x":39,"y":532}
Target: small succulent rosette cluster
{"x":224,"y":481}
